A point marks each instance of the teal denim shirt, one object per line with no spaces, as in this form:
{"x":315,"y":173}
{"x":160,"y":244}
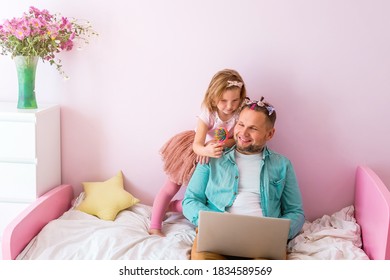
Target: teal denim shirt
{"x":214,"y":187}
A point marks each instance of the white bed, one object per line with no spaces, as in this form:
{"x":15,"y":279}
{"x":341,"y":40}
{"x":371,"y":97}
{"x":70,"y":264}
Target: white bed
{"x":50,"y":229}
{"x":77,"y":235}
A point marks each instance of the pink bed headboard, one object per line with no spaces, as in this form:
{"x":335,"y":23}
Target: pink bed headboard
{"x":372,"y":212}
{"x":46,"y":208}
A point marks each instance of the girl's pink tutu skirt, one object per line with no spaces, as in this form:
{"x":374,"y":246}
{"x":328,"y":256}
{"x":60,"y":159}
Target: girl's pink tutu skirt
{"x":179,"y":157}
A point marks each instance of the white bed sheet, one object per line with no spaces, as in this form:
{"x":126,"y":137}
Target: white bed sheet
{"x":335,"y":237}
{"x":80,"y":236}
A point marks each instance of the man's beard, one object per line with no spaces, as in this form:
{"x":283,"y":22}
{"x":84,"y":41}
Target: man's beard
{"x":251,"y":149}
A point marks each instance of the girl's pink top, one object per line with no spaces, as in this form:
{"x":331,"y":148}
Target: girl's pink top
{"x":213,"y":122}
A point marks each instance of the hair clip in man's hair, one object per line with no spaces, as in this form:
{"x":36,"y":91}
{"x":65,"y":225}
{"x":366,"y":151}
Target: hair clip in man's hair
{"x":234,"y":84}
{"x":261,"y":103}
{"x":270,"y":110}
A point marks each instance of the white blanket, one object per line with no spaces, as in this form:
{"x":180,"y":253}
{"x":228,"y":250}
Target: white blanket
{"x":335,"y":237}
{"x":77,"y":235}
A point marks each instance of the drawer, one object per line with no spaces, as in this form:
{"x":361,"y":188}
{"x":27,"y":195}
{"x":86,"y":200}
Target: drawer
{"x":17,"y":140}
{"x":17,"y":182}
{"x":8,"y":212}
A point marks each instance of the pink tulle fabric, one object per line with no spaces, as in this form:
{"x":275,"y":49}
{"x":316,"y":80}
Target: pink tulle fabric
{"x":179,"y":157}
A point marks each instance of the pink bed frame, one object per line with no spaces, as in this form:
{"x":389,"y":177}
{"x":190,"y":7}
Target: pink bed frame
{"x":372,"y":212}
{"x":372,"y":206}
{"x":29,"y":223}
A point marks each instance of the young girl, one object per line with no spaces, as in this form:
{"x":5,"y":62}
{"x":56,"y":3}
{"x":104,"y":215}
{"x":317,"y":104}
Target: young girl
{"x":223,"y":98}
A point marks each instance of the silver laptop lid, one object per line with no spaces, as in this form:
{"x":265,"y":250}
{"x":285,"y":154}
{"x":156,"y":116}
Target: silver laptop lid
{"x":242,"y":235}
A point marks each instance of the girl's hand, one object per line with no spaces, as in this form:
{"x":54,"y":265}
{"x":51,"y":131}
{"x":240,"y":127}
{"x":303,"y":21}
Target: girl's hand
{"x":214,"y":149}
{"x":202,"y":159}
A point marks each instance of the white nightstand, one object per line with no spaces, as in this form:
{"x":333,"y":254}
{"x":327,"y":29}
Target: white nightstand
{"x":30,"y":156}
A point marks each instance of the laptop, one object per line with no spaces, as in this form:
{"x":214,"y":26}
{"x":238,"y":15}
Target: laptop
{"x":242,"y":235}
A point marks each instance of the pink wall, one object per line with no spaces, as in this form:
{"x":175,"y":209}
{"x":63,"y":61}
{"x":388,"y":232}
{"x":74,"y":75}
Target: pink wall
{"x":324,"y":64}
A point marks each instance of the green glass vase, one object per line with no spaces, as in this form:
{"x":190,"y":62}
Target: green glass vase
{"x":26,"y":67}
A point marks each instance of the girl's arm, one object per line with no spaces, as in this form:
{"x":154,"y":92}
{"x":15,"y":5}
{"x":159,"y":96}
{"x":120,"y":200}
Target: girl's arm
{"x":210,"y":149}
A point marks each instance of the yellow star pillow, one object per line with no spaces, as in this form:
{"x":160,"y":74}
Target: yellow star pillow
{"x":106,"y":199}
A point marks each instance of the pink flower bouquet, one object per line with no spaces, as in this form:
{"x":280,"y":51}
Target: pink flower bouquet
{"x":39,"y":33}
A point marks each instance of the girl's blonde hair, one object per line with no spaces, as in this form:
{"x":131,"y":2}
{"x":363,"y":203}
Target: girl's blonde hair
{"x":223,"y":80}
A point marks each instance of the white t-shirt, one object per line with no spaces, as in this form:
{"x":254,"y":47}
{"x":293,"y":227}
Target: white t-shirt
{"x":248,"y":198}
{"x":213,"y":122}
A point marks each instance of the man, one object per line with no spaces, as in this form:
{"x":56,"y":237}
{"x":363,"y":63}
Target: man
{"x":248,"y":179}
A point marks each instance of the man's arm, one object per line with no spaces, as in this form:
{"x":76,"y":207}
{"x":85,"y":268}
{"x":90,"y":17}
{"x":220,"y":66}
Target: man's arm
{"x":292,"y":203}
{"x":195,"y":196}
